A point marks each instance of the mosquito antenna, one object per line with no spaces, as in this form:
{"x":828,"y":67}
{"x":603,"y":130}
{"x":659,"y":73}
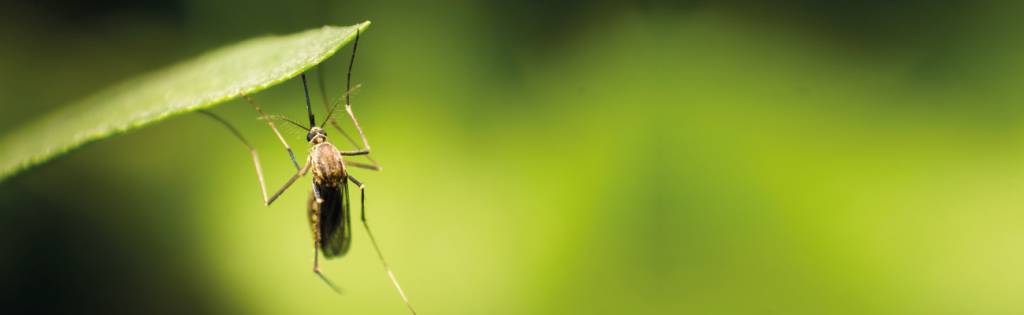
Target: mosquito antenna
{"x":327,"y":107}
{"x":330,"y":119}
{"x":285,"y":119}
{"x":331,"y":112}
{"x":312,"y":121}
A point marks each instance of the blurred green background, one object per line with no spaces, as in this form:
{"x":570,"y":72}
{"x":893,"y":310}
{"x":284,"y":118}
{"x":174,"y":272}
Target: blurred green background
{"x":543,"y":157}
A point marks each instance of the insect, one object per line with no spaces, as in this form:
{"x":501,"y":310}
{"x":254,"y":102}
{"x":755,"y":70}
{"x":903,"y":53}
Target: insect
{"x":329,"y":203}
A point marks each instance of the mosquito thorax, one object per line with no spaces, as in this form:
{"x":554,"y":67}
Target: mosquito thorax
{"x":316,"y":135}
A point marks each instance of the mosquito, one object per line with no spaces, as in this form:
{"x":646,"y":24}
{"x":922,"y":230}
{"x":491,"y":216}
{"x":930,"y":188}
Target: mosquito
{"x":328,"y":204}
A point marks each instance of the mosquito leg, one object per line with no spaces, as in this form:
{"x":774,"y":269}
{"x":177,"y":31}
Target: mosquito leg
{"x":255,"y":157}
{"x":316,"y":264}
{"x":323,"y":94}
{"x":360,"y":152}
{"x":275,"y":129}
{"x":301,"y":172}
{"x":362,"y":205}
{"x":256,"y":160}
{"x":330,"y":118}
{"x":316,"y":243}
{"x":348,"y":107}
{"x":316,"y":191}
{"x":354,"y":180}
{"x":360,"y":165}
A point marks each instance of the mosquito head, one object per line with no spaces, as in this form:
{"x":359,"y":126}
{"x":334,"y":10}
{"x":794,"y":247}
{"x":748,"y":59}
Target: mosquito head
{"x":316,"y":135}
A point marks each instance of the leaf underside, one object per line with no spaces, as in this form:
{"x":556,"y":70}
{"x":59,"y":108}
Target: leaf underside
{"x":214,"y":77}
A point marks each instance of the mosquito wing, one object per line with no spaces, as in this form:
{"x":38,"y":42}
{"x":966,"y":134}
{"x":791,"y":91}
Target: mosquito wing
{"x":332,"y":221}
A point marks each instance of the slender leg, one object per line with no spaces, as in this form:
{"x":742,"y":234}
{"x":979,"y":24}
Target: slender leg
{"x":317,"y":239}
{"x":275,"y":129}
{"x":366,"y":151}
{"x":330,"y":119}
{"x":316,"y":263}
{"x":255,"y":157}
{"x":362,"y":205}
{"x":348,"y":107}
{"x":358,"y":184}
{"x":316,"y":191}
{"x":360,"y":152}
{"x":290,"y":181}
{"x":360,"y":165}
{"x":256,"y":160}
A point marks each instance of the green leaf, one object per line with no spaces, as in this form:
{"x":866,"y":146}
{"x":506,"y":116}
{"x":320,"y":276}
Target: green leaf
{"x":211,"y":78}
